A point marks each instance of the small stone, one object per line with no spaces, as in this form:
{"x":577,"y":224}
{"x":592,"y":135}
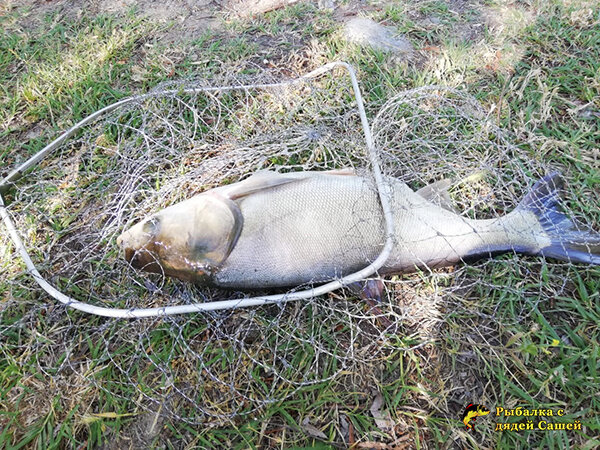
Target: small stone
{"x":431,"y":22}
{"x":366,"y":32}
{"x":327,"y":5}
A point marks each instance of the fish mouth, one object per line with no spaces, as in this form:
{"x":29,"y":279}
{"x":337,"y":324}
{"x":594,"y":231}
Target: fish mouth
{"x":138,"y":258}
{"x":120,"y":240}
{"x":143,"y":259}
{"x":127,"y":252}
{"x":124,"y":251}
{"x":148,"y":262}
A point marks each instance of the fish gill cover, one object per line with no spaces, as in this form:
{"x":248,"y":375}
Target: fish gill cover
{"x":212,"y":367}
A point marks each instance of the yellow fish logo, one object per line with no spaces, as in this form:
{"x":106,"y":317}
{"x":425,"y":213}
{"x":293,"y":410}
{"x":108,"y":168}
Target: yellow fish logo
{"x":471,"y":413}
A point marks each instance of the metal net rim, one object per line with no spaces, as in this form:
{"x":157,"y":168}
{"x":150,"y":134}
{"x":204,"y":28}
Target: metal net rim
{"x":70,"y":302}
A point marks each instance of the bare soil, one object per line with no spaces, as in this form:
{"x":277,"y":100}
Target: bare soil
{"x":192,"y":17}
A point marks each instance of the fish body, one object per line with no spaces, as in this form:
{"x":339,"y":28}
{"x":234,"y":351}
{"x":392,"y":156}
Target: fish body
{"x":278,"y":230}
{"x":320,"y":227}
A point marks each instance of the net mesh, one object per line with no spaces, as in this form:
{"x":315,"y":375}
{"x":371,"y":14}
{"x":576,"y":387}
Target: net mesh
{"x":211,"y":367}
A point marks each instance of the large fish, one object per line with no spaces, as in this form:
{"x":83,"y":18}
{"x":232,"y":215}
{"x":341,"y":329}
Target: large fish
{"x":277,"y":230}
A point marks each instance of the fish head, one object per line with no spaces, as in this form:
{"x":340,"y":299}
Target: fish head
{"x":189,"y":240}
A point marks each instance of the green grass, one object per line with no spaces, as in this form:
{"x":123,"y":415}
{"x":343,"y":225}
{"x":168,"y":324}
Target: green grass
{"x":541,"y":76}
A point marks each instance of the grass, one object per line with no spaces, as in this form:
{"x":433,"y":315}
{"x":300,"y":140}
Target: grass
{"x":541,"y":74}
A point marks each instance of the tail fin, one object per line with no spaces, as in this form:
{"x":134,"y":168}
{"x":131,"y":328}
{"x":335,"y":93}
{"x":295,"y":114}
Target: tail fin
{"x":570,"y":241}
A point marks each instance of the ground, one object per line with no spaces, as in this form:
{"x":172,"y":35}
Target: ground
{"x":534,"y":66}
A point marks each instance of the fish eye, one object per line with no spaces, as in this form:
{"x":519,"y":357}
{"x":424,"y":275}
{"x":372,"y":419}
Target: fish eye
{"x":151,"y":225}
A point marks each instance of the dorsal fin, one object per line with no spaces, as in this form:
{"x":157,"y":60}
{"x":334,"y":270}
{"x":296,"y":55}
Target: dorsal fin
{"x":348,"y":171}
{"x":266,"y":179}
{"x":437,"y":193}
